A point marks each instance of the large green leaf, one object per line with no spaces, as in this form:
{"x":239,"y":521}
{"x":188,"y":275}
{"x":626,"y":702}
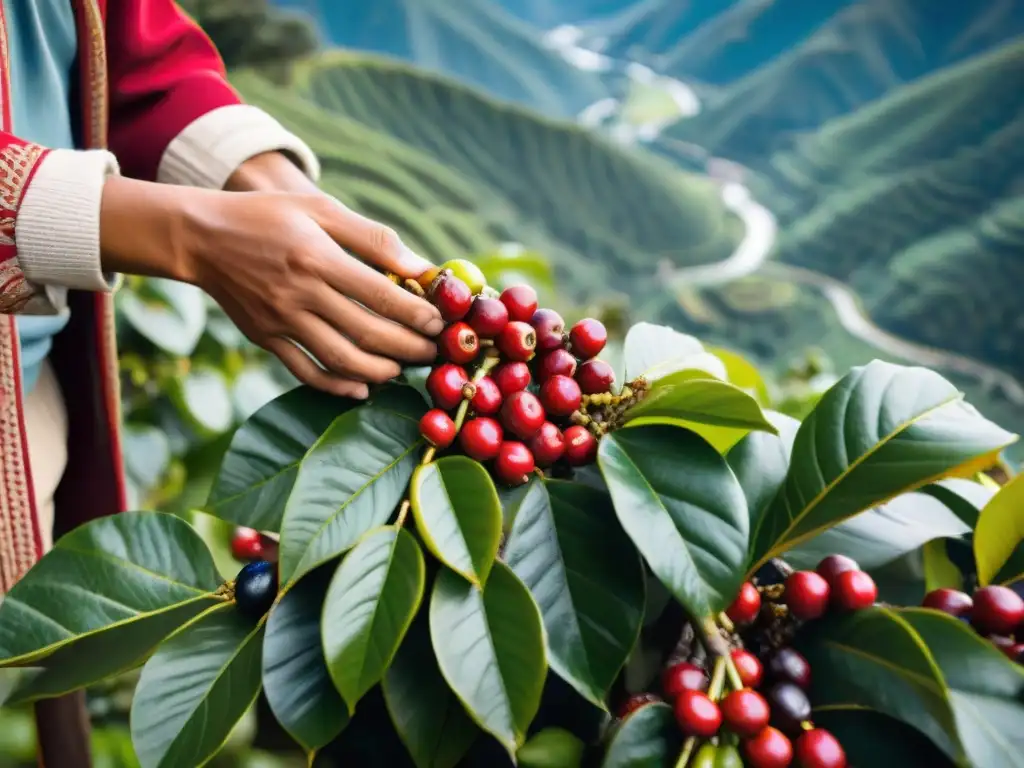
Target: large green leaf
{"x":490,"y":648}
{"x":964,"y":498}
{"x":999,"y":535}
{"x":351,"y":480}
{"x":760,"y":462}
{"x":195,"y":689}
{"x":570,"y":551}
{"x":892,"y":743}
{"x":260,"y":466}
{"x":373,"y":598}
{"x":123,"y":569}
{"x":296,"y":682}
{"x":882,"y":430}
{"x":429,"y":719}
{"x":648,"y":738}
{"x":458,"y":514}
{"x":683,"y":508}
{"x":655,"y":351}
{"x":742,"y":373}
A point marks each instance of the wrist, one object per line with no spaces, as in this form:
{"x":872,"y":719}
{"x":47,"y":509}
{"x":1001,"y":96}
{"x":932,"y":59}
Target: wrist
{"x":270,"y":172}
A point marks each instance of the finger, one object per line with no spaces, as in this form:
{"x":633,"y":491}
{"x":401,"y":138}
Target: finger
{"x":304,"y":369}
{"x":339,"y":355}
{"x":375,"y":242}
{"x":370,"y":332}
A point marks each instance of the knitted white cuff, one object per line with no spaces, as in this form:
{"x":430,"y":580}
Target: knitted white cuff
{"x":213,"y":146}
{"x":58,"y":226}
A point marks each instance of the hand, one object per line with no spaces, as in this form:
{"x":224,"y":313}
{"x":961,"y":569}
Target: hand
{"x":276,"y":263}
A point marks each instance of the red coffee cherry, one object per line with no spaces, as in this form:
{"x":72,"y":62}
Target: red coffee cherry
{"x":481,"y":438}
{"x":806,"y":595}
{"x":997,"y":610}
{"x":683,"y":676}
{"x":768,"y":749}
{"x":512,"y":377}
{"x":587,"y":338}
{"x":817,"y":748}
{"x":550,"y":329}
{"x":595,"y":377}
{"x":517,"y":341}
{"x":745,"y":712}
{"x":548,"y":445}
{"x":247,"y":544}
{"x":451,"y":296}
{"x":637,"y":700}
{"x":833,"y":565}
{"x":746,"y":606}
{"x":520,"y":301}
{"x":487,"y":399}
{"x":951,"y":601}
{"x":557,"y":362}
{"x":697,"y":714}
{"x":458,"y":343}
{"x":437,"y":428}
{"x":1014,"y":652}
{"x":786,"y":665}
{"x":854,"y":591}
{"x":514,"y":463}
{"x":487,"y":317}
{"x":749,"y":667}
{"x":580,"y":446}
{"x":445,"y":385}
{"x":522,"y":414}
{"x":560,"y":395}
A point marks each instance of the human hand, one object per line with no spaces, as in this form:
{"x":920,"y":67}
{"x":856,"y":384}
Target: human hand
{"x":279,"y":265}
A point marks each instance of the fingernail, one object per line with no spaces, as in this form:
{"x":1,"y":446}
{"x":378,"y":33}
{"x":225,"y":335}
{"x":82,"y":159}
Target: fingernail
{"x":412,"y":261}
{"x":361,"y":393}
{"x":433,"y":326}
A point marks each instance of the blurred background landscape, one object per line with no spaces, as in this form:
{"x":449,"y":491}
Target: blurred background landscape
{"x":809,"y":183}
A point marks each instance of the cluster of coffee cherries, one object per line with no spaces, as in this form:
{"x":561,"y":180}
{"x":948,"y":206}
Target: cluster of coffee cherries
{"x":511,"y":380}
{"x":255,"y":587}
{"x":995,"y":612}
{"x":769,"y":711}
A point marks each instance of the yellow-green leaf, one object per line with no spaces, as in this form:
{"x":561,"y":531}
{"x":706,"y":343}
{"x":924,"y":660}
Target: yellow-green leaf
{"x":999,"y":534}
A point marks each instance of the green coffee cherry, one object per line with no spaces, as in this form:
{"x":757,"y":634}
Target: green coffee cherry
{"x":728,"y":756}
{"x":467,"y":272}
{"x":552,"y":748}
{"x":705,"y":757}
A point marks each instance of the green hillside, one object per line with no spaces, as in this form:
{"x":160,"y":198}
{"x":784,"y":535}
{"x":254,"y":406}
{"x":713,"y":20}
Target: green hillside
{"x":458,"y":173}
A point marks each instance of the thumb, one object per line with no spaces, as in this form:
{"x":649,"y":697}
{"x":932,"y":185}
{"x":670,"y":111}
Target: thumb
{"x":373,"y":242}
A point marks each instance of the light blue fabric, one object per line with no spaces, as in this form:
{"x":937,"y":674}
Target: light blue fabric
{"x":42,"y":46}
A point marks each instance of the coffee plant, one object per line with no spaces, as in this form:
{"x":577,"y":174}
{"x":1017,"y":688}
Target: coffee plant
{"x":527,"y":555}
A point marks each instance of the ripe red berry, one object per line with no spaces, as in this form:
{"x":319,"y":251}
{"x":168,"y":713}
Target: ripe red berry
{"x":817,"y":748}
{"x":854,"y":591}
{"x":514,"y":463}
{"x":247,"y":544}
{"x":745,"y":607}
{"x":997,"y":610}
{"x":550,"y":329}
{"x":437,"y":428}
{"x":458,"y":343}
{"x":445,"y":385}
{"x":833,"y":565}
{"x":520,"y":301}
{"x":595,"y":377}
{"x":512,"y":377}
{"x":637,"y":700}
{"x":547,"y":445}
{"x":951,"y":601}
{"x":487,"y":317}
{"x":749,"y":667}
{"x":522,"y":414}
{"x":487,"y":399}
{"x":560,"y":395}
{"x":580,"y":446}
{"x":481,"y":438}
{"x":557,"y":362}
{"x":806,"y":595}
{"x":769,"y":749}
{"x":745,"y":712}
{"x":683,"y":676}
{"x":697,"y":714}
{"x":1014,"y":652}
{"x":451,"y":296}
{"x":587,"y":338}
{"x":517,"y":341}
{"x":786,"y":665}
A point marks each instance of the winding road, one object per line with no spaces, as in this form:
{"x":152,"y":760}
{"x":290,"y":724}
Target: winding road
{"x":751,"y":255}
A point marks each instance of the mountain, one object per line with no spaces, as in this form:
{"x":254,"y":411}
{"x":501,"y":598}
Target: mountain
{"x":458,"y":173}
{"x":475,"y":41}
